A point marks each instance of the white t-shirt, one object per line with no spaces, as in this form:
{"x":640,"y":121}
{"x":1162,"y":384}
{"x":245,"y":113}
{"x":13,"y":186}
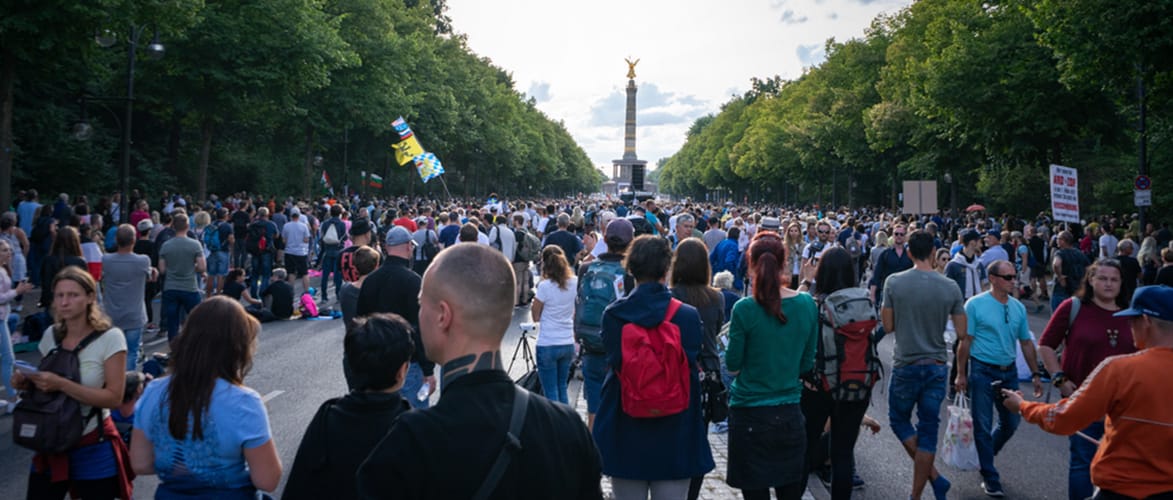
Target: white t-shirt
{"x":557,"y":323}
{"x":296,"y":235}
{"x":92,"y":362}
{"x":1108,"y":245}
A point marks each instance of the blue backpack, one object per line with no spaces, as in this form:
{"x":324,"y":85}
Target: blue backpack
{"x":600,"y":285}
{"x":212,"y":238}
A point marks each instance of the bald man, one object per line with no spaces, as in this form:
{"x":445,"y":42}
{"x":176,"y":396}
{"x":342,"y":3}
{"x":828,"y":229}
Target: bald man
{"x":466,"y":304}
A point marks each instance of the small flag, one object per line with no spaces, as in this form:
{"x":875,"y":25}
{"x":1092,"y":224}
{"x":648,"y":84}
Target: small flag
{"x":401,"y":128}
{"x":407,"y":149}
{"x":376,"y":181}
{"x":428,"y":166}
{"x":326,"y":182}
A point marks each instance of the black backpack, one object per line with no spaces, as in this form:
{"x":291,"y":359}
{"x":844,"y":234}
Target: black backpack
{"x":51,"y":422}
{"x":257,"y":242}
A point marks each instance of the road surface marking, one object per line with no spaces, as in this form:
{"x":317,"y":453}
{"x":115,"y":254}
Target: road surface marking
{"x":271,"y":395}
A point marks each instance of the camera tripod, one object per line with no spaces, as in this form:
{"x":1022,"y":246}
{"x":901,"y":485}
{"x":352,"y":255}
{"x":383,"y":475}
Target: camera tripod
{"x":523,"y":350}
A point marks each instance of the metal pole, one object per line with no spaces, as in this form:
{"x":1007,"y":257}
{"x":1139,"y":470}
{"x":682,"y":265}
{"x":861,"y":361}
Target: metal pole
{"x":1142,"y":146}
{"x":124,"y":175}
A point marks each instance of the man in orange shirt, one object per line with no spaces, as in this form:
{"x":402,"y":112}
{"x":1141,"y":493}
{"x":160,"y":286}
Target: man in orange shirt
{"x":1134,"y":458}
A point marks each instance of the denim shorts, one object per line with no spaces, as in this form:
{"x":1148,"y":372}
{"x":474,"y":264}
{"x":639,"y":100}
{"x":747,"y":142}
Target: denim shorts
{"x":922,"y":387}
{"x":218,"y":264}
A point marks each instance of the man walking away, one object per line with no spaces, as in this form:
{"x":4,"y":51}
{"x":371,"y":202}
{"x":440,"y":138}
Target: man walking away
{"x":261,"y":244}
{"x":218,"y":239}
{"x":180,"y":258}
{"x":997,"y":322}
{"x":331,"y":235}
{"x":917,"y":304}
{"x":124,"y":283}
{"x":296,"y":236}
{"x":483,"y":419}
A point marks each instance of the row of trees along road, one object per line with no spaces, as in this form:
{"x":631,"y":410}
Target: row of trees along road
{"x":989,"y":93}
{"x":262,"y":95}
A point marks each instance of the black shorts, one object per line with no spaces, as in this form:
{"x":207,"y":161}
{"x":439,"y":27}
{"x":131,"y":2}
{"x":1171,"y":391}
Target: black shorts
{"x":295,"y":265}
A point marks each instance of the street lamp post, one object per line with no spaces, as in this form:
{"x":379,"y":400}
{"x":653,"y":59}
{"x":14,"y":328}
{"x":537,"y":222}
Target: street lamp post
{"x":155,"y":50}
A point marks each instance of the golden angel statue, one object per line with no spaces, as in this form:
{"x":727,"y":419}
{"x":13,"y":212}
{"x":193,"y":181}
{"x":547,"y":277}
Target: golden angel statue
{"x":631,"y":67}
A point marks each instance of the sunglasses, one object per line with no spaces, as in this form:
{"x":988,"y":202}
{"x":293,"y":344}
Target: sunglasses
{"x":898,"y":234}
{"x":823,"y":231}
{"x":1007,"y":277}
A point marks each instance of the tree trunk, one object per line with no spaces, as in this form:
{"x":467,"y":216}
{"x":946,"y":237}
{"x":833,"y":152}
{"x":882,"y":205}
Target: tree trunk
{"x":173,"y":139}
{"x":206,"y":130}
{"x":7,"y":82}
{"x":307,"y":182}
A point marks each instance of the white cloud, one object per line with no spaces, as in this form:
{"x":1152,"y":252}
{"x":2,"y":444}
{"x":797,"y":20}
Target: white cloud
{"x":694,"y":56}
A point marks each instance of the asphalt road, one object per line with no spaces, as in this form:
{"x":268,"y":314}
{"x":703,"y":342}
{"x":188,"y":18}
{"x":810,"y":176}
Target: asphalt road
{"x":298,"y":365}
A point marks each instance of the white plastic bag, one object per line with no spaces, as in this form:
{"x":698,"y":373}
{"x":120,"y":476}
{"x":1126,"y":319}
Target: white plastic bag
{"x":958,"y":448}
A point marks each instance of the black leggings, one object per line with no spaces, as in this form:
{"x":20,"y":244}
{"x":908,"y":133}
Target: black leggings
{"x":41,"y":488}
{"x":792,"y":491}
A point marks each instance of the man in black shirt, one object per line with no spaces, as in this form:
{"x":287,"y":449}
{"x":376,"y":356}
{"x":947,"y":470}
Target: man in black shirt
{"x":281,"y":292}
{"x":448,"y":450}
{"x":569,"y":243}
{"x":394,"y":288}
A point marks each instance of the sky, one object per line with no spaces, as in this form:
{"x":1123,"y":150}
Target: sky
{"x":569,"y":56}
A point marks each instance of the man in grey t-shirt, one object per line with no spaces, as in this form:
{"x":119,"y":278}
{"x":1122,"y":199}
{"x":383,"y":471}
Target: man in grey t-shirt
{"x":917,"y":304}
{"x":124,"y":282}
{"x":181,"y":258}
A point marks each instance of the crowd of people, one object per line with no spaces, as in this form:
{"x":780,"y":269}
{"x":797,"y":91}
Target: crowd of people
{"x":684,"y":319}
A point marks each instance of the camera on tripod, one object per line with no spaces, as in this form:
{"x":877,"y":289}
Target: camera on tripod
{"x":528,"y":327}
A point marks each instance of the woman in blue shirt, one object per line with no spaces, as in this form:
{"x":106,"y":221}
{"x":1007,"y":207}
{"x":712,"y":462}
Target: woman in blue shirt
{"x":200,"y":429}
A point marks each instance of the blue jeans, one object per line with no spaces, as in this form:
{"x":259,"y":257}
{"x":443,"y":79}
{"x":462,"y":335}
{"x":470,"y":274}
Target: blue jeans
{"x":1058,"y":295}
{"x":411,"y":386}
{"x":1079,"y":473}
{"x":176,"y":305}
{"x":922,"y":387}
{"x":7,"y":358}
{"x":554,"y":370}
{"x":988,"y":437}
{"x":262,"y":269}
{"x":134,"y":347}
{"x":330,"y":265}
{"x":218,"y":264}
{"x":594,"y":371}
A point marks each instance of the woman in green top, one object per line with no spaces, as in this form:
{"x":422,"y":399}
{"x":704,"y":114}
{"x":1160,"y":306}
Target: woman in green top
{"x":771,"y":341}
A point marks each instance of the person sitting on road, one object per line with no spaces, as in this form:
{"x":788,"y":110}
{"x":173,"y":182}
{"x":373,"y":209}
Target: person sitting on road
{"x":345,"y":429}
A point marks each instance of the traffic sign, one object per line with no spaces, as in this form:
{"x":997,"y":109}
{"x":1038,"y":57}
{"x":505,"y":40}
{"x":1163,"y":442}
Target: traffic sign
{"x":1143,"y":198}
{"x":1143,"y":183}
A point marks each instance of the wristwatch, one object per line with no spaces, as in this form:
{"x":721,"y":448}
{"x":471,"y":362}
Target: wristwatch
{"x":1058,"y":379}
{"x":808,"y":283}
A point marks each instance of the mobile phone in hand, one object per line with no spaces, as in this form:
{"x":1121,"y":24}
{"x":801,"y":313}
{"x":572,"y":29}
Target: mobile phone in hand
{"x":24,"y":367}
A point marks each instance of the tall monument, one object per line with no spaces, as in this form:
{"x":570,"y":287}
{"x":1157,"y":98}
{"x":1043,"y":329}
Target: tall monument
{"x":629,"y":170}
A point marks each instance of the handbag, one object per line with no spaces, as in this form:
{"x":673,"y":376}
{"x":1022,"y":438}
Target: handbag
{"x":958,"y":448}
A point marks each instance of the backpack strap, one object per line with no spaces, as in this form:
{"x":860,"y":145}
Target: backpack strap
{"x":1075,"y":305}
{"x":512,"y":444}
{"x":673,"y":306}
{"x":89,"y":339}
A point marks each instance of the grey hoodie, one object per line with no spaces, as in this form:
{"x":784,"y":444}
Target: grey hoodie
{"x":968,"y":273}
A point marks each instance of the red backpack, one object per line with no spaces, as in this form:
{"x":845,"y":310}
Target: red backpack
{"x":654,"y":378}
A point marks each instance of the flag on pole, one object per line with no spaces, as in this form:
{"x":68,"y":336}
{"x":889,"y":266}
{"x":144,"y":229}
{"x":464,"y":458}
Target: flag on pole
{"x":407,"y":149}
{"x":326,"y":182}
{"x":401,"y":128}
{"x":376,"y":181}
{"x":428,"y":166}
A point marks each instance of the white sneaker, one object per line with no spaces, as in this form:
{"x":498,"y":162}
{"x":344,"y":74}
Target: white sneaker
{"x":10,"y":405}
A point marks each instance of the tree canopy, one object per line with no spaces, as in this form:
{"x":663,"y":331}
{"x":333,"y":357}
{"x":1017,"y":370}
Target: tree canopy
{"x":263,"y":95}
{"x":987,"y":95}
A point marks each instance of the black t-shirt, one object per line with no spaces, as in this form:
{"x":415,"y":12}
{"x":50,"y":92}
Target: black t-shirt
{"x":147,"y":247}
{"x":240,"y":220}
{"x":1130,"y":270}
{"x":282,"y":293}
{"x":234,"y":289}
{"x":1037,"y":245}
{"x":1165,"y":276}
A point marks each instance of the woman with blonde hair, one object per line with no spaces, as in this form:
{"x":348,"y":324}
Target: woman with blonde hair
{"x":200,"y":428}
{"x":882,"y":243}
{"x":8,"y":293}
{"x":1150,"y":260}
{"x":95,"y":467}
{"x":553,"y":310}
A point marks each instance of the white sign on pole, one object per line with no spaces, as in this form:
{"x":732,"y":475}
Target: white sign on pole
{"x":1064,"y":194}
{"x":1143,"y":198}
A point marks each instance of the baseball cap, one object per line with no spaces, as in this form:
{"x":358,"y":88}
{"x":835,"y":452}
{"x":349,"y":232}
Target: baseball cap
{"x":360,"y":226}
{"x":145,"y":225}
{"x":398,"y":235}
{"x":1154,"y":301}
{"x":994,"y":233}
{"x":771,"y":223}
{"x":619,"y":230}
{"x":294,"y":212}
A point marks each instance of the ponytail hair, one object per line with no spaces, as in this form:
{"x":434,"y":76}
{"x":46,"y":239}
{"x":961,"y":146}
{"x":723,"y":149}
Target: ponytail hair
{"x":766,"y":255}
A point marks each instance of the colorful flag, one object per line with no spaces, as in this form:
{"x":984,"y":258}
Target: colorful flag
{"x":376,"y":181}
{"x":407,"y":149}
{"x":326,"y":182}
{"x":401,"y":128}
{"x":428,"y":166}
